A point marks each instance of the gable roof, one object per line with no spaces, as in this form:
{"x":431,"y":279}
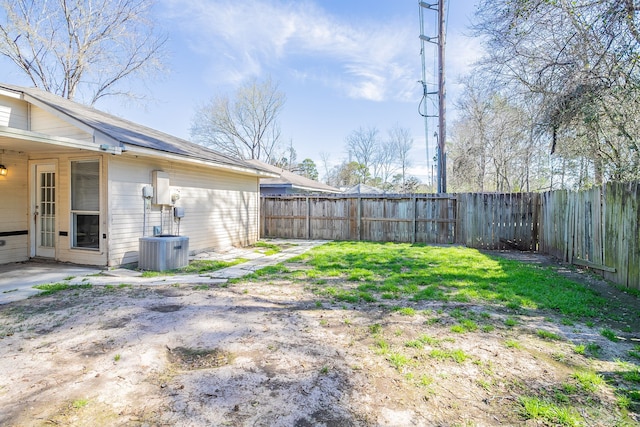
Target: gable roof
{"x":295,"y":181}
{"x":125,"y":133}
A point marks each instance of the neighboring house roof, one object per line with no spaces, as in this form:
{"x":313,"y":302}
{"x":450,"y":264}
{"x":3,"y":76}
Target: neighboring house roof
{"x":125,"y":133}
{"x":363,"y":189}
{"x":292,"y":180}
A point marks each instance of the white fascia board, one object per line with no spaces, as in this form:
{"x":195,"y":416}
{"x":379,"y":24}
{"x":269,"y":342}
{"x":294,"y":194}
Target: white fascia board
{"x":146,"y":152}
{"x":10,"y":93}
{"x":62,"y":116}
{"x":59,"y":141}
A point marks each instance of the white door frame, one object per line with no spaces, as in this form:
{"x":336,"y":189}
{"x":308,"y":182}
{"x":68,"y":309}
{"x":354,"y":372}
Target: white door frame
{"x":44,"y":209}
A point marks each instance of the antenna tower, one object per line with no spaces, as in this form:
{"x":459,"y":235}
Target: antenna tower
{"x":429,"y":94}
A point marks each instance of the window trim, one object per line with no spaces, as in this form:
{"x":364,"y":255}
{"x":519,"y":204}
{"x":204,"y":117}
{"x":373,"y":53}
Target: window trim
{"x":73,"y":212}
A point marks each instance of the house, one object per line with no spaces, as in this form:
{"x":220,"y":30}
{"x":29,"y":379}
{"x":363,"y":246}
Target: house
{"x":79,"y":185}
{"x":363,"y":189}
{"x":289,"y":182}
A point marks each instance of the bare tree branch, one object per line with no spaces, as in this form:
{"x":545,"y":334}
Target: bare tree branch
{"x":81,"y":48}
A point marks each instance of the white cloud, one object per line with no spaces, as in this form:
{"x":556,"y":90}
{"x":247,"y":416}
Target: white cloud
{"x":364,"y":60}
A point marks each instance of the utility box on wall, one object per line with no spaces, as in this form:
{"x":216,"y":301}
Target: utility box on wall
{"x":162,"y":193}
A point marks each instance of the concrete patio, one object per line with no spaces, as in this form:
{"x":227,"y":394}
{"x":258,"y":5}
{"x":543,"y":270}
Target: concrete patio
{"x":17,"y":279}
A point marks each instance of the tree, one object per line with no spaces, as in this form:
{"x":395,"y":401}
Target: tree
{"x":384,"y":164}
{"x":245,"y":126}
{"x":493,"y":144}
{"x":325,"y":158}
{"x":578,"y":61}
{"x":308,"y":169}
{"x":362,"y":146}
{"x":406,"y":184}
{"x":348,"y":174}
{"x":401,"y":144}
{"x":81,"y":48}
{"x":286,"y":159}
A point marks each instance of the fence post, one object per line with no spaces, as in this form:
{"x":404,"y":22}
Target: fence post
{"x":263,"y":226}
{"x":415,"y":218}
{"x":359,"y":217}
{"x":308,"y":219}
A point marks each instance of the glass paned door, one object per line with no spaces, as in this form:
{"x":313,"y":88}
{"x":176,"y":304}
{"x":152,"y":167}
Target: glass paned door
{"x":44,"y":215}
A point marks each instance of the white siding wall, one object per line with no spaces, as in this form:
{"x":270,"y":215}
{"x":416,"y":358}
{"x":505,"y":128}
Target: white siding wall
{"x":45,"y":122}
{"x":221,"y":208}
{"x":14,"y":208}
{"x":13,"y":113}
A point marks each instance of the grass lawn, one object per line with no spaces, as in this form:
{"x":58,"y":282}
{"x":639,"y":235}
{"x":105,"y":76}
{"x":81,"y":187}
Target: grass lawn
{"x":405,"y":278}
{"x":362,"y":271}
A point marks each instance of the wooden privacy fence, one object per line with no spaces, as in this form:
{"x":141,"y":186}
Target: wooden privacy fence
{"x":597,"y":228}
{"x":425,"y":218}
{"x":498,"y":221}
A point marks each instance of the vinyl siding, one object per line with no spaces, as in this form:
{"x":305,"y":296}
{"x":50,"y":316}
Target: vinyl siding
{"x":44,"y":122}
{"x":221,"y":208}
{"x":13,"y":113}
{"x":14,"y":208}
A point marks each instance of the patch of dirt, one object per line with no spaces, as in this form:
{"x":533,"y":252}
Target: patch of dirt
{"x":276,"y":354}
{"x":191,"y":359}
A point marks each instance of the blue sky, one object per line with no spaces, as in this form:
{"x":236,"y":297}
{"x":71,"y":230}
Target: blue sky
{"x":343,"y":64}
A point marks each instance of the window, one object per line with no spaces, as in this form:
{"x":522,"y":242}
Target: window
{"x":85,"y":204}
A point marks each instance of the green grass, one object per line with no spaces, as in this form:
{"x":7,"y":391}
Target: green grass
{"x":52,"y":288}
{"x":635,"y":352}
{"x":510,"y":322}
{"x":534,"y":408}
{"x":468,"y":325}
{"x":271,"y":249}
{"x":405,"y":311}
{"x":609,"y":334}
{"x":457,"y":356}
{"x":511,"y":343}
{"x":548,"y":335}
{"x":375,"y":328}
{"x":398,"y":360}
{"x":80,"y":403}
{"x":198,"y":266}
{"x":449,"y":273}
{"x":588,"y":380}
{"x":423,"y":340}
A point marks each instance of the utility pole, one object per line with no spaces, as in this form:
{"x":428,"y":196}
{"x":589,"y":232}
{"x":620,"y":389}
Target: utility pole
{"x":439,"y":41}
{"x":442,"y":110}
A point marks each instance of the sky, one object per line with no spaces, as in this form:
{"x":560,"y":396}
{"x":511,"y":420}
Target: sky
{"x":343,"y":64}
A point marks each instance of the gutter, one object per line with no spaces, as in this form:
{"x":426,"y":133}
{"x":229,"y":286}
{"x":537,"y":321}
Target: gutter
{"x":60,"y":141}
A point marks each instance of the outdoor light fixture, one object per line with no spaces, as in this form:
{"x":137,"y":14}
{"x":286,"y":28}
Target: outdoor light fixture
{"x":3,"y":168}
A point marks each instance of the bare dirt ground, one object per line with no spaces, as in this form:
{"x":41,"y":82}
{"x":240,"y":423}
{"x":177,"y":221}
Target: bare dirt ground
{"x":273,"y":353}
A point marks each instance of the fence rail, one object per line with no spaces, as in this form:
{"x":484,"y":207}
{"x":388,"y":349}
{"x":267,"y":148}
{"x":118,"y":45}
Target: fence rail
{"x":598,"y":228}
